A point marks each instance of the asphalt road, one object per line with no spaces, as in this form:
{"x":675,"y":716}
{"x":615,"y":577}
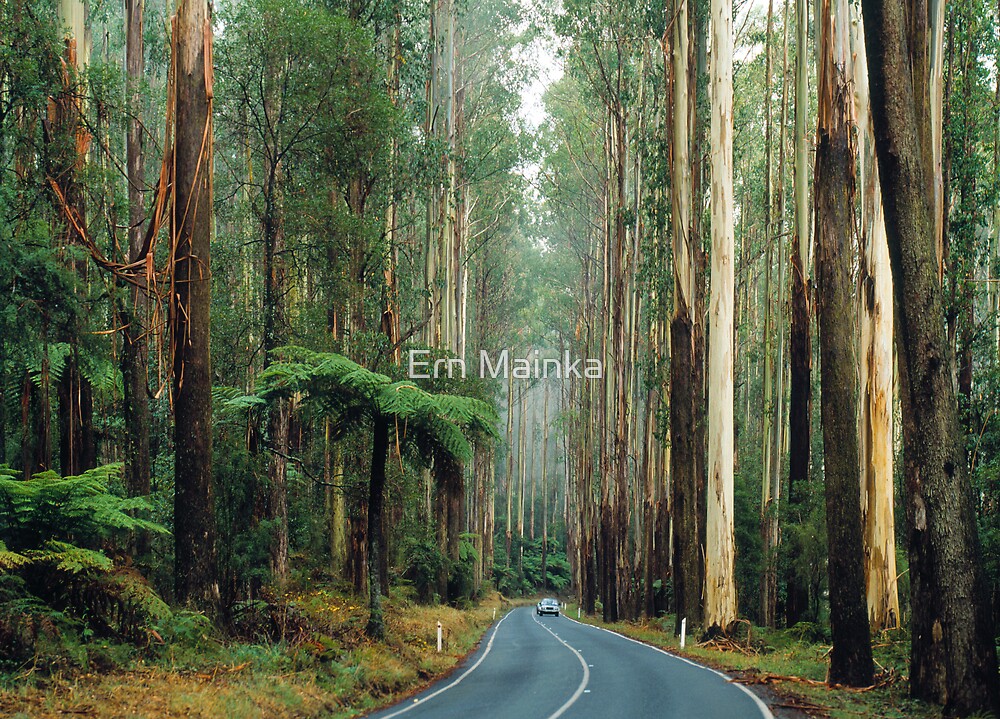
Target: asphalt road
{"x":531,"y":667}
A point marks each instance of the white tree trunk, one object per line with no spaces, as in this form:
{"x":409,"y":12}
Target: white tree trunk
{"x":720,"y":585}
{"x":875,"y":361}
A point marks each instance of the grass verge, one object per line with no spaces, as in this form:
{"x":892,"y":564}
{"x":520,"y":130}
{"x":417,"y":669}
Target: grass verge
{"x":792,"y":665}
{"x":326,"y":668}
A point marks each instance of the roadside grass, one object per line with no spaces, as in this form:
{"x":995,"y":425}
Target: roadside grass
{"x":326,"y":668}
{"x":792,"y":663}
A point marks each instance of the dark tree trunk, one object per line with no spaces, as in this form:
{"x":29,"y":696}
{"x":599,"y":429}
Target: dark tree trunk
{"x":799,"y":419}
{"x":608,"y":564}
{"x":132,"y":306}
{"x":196,"y":574}
{"x":953,"y":656}
{"x":376,"y":493}
{"x":77,"y":448}
{"x":36,"y":452}
{"x":273,"y":499}
{"x":450,"y":510}
{"x":851,"y":658}
{"x":684,"y":473}
{"x":799,"y":350}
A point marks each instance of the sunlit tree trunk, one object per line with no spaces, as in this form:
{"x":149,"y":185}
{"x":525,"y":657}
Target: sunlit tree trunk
{"x":720,"y":547}
{"x":196,"y":577}
{"x":875,"y":363}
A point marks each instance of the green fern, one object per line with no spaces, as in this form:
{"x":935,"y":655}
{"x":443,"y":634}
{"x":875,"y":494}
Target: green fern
{"x":69,"y":558}
{"x":428,"y":424}
{"x":78,"y":510}
{"x":53,"y":535}
{"x":11,"y":560}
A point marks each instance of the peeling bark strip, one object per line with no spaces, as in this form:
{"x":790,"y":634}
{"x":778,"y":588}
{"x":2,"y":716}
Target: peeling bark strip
{"x":953,"y":656}
{"x":196,"y":578}
{"x":875,"y":362}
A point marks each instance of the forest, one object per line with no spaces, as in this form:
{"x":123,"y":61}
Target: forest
{"x":238,"y":239}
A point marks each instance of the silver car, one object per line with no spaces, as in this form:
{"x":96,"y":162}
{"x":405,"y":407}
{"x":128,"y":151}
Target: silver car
{"x":547,"y":606}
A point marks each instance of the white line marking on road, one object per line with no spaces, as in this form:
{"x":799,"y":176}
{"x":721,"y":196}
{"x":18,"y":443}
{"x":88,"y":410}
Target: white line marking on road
{"x":580,"y":690}
{"x":467,"y":672}
{"x":764,"y":710}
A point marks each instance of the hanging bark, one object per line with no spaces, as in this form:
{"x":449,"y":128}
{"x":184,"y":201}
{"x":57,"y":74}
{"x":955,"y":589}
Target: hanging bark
{"x":720,"y":547}
{"x":196,"y":577}
{"x":953,"y":656}
{"x":875,"y":361}
{"x":851,"y":658}
{"x":799,"y":350}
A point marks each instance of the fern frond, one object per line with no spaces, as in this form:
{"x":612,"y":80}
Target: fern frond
{"x":71,"y":558}
{"x":11,"y":560}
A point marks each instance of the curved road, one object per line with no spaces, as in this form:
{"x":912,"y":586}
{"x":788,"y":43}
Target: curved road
{"x":547,"y":667}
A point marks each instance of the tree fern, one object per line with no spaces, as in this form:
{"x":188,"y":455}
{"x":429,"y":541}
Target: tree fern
{"x":427,"y":426}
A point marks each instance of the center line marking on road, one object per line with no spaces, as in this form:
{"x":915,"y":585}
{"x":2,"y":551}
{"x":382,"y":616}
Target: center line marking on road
{"x":580,"y":690}
{"x":467,"y":672}
{"x":764,"y":710}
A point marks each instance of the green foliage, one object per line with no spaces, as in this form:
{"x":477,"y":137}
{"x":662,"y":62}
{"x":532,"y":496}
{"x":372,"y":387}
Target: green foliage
{"x":525,"y":577}
{"x":426,"y":424}
{"x":50,"y":518}
{"x":57,"y":540}
{"x":423,"y":561}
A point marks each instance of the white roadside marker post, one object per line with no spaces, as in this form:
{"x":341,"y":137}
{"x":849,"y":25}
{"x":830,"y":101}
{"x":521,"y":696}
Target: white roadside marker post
{"x":684,"y":625}
{"x":494,"y":614}
{"x":439,"y":637}
{"x":577,"y":611}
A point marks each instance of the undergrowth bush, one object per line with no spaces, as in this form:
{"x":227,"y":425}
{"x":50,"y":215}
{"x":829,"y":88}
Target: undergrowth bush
{"x":62,"y":579}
